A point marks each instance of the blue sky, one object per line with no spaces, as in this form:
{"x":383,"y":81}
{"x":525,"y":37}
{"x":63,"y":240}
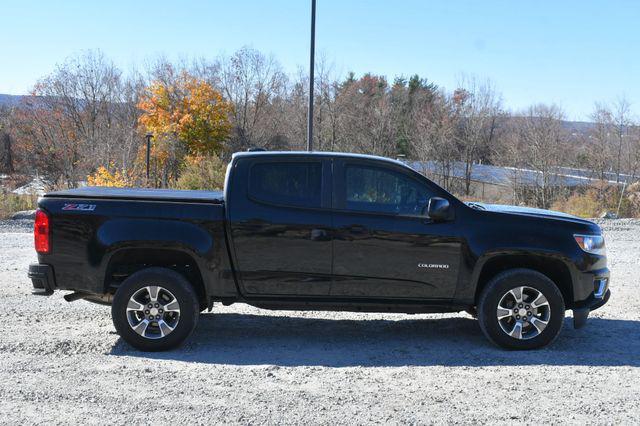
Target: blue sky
{"x":573,"y":53}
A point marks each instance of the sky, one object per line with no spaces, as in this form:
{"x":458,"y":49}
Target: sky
{"x":572,"y":53}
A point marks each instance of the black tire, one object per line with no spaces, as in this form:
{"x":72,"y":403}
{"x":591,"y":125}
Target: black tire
{"x":512,"y":279}
{"x":178,"y":286}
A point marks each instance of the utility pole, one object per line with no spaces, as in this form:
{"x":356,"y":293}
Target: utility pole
{"x":311,"y":76}
{"x":148,"y":136}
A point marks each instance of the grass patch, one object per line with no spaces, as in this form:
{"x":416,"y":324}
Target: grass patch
{"x":11,"y":203}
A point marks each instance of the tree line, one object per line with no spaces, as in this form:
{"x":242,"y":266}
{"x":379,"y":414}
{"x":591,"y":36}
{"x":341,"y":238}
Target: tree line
{"x":88,"y":118}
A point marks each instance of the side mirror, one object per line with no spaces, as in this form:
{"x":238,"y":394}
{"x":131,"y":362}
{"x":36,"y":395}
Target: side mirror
{"x":438,"y":209}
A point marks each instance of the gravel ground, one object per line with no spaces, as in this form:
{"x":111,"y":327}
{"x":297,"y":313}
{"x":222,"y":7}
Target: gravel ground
{"x":63,"y":363}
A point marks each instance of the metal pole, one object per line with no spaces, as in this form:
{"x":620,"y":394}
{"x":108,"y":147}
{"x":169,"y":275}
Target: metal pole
{"x":148,"y":136}
{"x":311,"y":76}
{"x":620,"y":202}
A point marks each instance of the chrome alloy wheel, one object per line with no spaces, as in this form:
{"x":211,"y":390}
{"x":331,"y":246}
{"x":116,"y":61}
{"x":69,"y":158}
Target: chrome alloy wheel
{"x":523,"y":312}
{"x":153,"y":312}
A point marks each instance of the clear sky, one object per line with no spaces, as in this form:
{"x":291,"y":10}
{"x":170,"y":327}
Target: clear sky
{"x":573,"y":53}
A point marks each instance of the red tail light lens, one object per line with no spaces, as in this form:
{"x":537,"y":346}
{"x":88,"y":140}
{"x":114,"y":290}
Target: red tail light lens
{"x":41,"y":232}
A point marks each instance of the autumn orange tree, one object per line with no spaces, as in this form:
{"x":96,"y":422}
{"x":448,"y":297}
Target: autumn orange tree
{"x":187,"y":117}
{"x":103,"y":177}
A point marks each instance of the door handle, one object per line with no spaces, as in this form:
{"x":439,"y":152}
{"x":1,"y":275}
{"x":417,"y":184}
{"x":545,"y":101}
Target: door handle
{"x":357,"y":229}
{"x":319,"y":235}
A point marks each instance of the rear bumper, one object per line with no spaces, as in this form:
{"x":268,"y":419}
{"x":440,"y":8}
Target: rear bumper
{"x":42,"y":279}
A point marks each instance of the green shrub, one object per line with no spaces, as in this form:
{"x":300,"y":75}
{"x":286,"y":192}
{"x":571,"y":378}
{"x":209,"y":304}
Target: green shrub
{"x":11,"y":203}
{"x":583,"y":205}
{"x":597,"y":199}
{"x":202,"y":172}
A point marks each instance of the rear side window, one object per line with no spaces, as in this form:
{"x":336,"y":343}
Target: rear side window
{"x":287,"y":183}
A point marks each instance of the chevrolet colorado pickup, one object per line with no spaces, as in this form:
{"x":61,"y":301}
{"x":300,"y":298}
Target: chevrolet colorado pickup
{"x":317,"y":231}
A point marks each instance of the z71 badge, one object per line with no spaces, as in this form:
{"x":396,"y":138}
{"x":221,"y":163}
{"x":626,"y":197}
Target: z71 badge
{"x":80,"y":207}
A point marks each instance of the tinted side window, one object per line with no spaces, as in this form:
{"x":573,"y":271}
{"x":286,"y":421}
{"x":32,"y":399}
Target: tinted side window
{"x":374,"y":189}
{"x":287,"y":183}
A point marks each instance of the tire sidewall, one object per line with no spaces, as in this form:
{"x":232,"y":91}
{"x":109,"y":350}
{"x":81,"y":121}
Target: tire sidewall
{"x":173,"y":282}
{"x":506,"y":281}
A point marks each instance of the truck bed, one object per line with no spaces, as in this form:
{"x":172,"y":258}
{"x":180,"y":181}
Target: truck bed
{"x":125,"y":229}
{"x":214,"y":197}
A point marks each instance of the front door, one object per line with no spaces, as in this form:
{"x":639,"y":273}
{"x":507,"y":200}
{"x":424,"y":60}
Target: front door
{"x":384,"y":246}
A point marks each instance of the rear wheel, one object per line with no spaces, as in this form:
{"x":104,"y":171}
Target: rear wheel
{"x":155,"y":309}
{"x":521,"y":309}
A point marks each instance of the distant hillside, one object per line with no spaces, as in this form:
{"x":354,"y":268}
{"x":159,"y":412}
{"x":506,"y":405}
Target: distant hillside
{"x":10,"y":100}
{"x":575,"y":128}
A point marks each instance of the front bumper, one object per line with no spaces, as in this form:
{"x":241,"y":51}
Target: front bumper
{"x":42,"y":279}
{"x":582,"y":310}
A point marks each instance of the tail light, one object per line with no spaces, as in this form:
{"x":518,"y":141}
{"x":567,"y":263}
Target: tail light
{"x":41,"y":231}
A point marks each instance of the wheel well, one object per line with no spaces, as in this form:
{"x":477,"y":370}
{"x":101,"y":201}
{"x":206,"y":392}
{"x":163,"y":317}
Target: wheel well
{"x":126,"y":262}
{"x":554,"y":269}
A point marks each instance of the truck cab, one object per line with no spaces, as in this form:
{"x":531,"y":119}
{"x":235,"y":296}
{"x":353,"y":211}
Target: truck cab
{"x":340,"y":227}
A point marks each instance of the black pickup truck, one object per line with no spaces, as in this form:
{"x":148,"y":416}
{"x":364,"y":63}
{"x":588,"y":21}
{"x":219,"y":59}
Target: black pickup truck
{"x":317,"y":231}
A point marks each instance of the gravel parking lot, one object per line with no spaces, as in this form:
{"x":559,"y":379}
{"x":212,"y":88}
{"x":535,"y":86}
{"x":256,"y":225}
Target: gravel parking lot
{"x":63,"y":363}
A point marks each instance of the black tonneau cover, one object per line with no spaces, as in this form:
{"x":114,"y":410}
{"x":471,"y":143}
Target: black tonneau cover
{"x":215,"y":197}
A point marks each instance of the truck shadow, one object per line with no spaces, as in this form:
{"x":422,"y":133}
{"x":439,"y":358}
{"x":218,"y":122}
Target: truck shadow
{"x":247,"y":339}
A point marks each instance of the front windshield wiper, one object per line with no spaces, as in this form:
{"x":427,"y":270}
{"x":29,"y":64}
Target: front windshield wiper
{"x":476,"y":206}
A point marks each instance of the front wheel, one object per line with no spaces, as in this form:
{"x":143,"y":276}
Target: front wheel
{"x":521,"y":309}
{"x":155,"y":309}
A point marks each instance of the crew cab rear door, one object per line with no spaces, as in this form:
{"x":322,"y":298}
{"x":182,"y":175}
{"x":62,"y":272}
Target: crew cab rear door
{"x":279,"y":214}
{"x":384,"y":247}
